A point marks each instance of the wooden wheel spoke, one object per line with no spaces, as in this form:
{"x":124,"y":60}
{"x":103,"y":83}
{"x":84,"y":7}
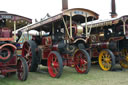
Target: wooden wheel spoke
{"x":82,"y":67}
{"x":108,"y":56}
{"x":27,"y":45}
{"x":30,"y":53}
{"x":106,"y":60}
{"x":55,"y":59}
{"x":29,"y":50}
{"x":76,"y":61}
{"x":52,"y":59}
{"x":103,"y":57}
{"x":108,"y":65}
{"x":25,"y":49}
{"x":124,"y":61}
{"x":55,"y":64}
{"x":56,"y":70}
{"x":81,"y":60}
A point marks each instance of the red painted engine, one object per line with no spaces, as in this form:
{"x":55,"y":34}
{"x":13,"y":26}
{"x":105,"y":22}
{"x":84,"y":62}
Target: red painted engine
{"x":9,"y":61}
{"x":7,"y":47}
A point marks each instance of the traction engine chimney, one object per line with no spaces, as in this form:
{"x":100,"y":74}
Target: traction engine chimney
{"x":64,"y":5}
{"x":113,"y":9}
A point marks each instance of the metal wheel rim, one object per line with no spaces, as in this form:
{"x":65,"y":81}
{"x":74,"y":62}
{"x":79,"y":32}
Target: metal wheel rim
{"x":105,"y":60}
{"x":124,"y":61}
{"x":27,"y":54}
{"x":80,"y":61}
{"x":20,"y":70}
{"x":53,"y":65}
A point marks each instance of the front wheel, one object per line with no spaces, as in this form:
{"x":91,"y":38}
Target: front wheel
{"x":22,"y":69}
{"x":55,"y":64}
{"x":82,"y":61}
{"x":106,"y":60}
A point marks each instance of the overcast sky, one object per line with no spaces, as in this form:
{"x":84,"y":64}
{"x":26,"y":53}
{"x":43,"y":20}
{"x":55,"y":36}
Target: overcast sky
{"x":39,"y":8}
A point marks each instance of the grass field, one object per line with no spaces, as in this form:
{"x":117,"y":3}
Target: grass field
{"x":70,"y":77}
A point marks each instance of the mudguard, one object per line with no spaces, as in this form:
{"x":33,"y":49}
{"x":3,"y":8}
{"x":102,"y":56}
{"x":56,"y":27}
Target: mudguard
{"x":7,"y":51}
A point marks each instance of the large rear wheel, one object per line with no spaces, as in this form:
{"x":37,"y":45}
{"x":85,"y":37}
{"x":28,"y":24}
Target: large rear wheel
{"x":82,"y":61}
{"x":29,"y":53}
{"x":124,"y":59}
{"x":55,"y":64}
{"x":106,"y":60}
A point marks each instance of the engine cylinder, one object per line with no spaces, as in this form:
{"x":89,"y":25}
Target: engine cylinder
{"x":105,"y":45}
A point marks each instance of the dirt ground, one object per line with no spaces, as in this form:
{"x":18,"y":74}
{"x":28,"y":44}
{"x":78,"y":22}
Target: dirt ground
{"x":70,"y":77}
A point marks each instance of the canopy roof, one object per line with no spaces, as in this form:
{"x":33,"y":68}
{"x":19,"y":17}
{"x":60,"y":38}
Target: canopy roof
{"x":78,"y":15}
{"x":9,"y":19}
{"x":108,"y":22}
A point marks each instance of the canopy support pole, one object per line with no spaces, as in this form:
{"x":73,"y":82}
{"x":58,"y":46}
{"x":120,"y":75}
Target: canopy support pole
{"x":14,"y":30}
{"x":66,"y":27}
{"x":52,"y":28}
{"x":124,"y":27}
{"x":86,"y":24}
{"x":71,"y":24}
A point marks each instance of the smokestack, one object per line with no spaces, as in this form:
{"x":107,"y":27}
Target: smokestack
{"x":64,"y":5}
{"x":113,"y":8}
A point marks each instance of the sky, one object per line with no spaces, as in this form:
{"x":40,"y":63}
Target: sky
{"x":37,"y":9}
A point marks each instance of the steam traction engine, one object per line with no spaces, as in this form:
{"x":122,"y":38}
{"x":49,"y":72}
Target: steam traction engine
{"x":9,"y":61}
{"x":61,"y":44}
{"x":109,"y":42}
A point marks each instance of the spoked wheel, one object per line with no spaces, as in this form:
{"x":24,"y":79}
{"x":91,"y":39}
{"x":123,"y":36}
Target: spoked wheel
{"x":106,"y":60}
{"x":22,"y":69}
{"x":29,"y":53}
{"x":55,"y":64}
{"x":5,"y":54}
{"x":124,"y":60}
{"x":82,"y":61}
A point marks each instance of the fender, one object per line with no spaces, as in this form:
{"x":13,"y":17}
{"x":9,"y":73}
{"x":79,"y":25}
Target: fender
{"x":10,"y":45}
{"x":10,"y":53}
{"x":80,"y":39}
